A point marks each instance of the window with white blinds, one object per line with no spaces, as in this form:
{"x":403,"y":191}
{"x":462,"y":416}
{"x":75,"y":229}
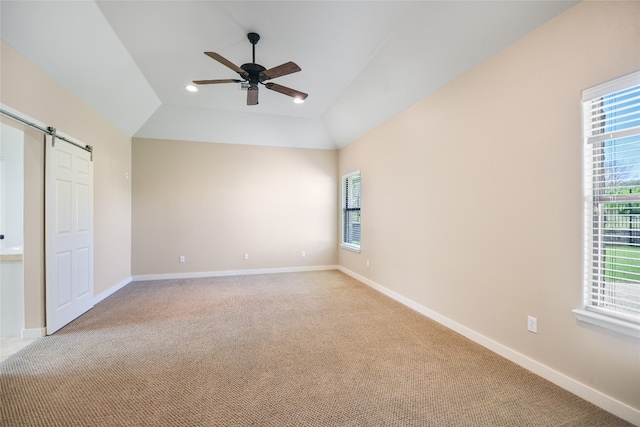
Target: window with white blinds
{"x":612,"y":199}
{"x":351,"y":192}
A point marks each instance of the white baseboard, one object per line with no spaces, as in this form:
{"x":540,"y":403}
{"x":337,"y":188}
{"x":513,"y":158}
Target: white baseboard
{"x":589,"y":394}
{"x":232,"y":273}
{"x":32,"y":333}
{"x":111,"y":290}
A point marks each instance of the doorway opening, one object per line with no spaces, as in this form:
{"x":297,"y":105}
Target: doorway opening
{"x":11,"y":238}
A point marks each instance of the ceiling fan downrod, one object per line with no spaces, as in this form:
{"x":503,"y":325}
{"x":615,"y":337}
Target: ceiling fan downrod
{"x":253,"y":38}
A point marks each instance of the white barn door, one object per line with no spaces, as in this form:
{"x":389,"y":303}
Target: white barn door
{"x":69,"y":233}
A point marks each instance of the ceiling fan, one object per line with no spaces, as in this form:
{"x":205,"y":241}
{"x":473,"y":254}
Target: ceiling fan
{"x":255,"y":74}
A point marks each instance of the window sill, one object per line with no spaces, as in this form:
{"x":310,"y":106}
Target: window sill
{"x":620,"y":326}
{"x":350,"y":247}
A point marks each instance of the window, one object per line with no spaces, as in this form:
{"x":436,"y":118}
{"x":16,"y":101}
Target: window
{"x":612,"y":204}
{"x":351,"y":211}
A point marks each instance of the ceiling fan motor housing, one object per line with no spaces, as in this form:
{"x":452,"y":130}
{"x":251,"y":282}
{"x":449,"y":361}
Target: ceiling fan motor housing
{"x":253,"y":73}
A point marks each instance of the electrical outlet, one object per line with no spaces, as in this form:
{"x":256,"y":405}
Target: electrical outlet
{"x":181,"y":258}
{"x":532,"y":324}
{"x":367,"y":263}
{"x":303,"y":254}
{"x":246,"y":256}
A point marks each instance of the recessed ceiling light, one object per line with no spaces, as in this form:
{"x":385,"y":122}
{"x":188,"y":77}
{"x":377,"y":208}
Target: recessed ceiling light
{"x":298,"y":100}
{"x":191,"y":88}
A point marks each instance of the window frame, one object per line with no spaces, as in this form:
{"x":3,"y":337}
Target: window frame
{"x":594,"y":200}
{"x":344,"y":208}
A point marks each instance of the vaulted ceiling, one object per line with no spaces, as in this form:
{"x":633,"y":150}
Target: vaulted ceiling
{"x":362,"y":62}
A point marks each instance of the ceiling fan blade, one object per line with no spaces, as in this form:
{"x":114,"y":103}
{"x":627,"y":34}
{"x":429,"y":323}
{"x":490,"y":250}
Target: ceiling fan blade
{"x":211,"y":82}
{"x":281,"y":70}
{"x":225,"y":62}
{"x":286,"y":91}
{"x":252,"y":96}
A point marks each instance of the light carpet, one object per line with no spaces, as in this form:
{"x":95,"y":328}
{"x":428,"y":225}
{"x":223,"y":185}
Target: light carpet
{"x":298,"y":349}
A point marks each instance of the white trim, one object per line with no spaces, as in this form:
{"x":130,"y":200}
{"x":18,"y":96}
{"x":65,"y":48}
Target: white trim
{"x":33,"y":333}
{"x":603,"y":313}
{"x":111,"y":290}
{"x":624,"y":82}
{"x":349,"y":247}
{"x":225,"y":273}
{"x":590,"y":394}
{"x":142,"y":277}
{"x":620,"y":326}
{"x":350,"y":174}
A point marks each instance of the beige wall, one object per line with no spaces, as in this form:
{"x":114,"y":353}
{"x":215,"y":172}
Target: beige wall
{"x":212,"y":203}
{"x":25,"y":88}
{"x":472,"y":198}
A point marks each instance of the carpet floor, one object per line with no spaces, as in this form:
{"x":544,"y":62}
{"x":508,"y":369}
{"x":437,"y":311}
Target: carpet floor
{"x":297,"y":349}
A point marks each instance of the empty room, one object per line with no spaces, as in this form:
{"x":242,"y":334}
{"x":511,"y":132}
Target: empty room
{"x":320,"y":213}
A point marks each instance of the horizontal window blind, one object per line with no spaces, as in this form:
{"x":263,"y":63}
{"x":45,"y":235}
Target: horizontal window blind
{"x":614,"y":112}
{"x":612,"y":199}
{"x":351,"y":199}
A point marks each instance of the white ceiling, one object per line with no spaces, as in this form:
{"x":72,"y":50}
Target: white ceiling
{"x":362,"y":62}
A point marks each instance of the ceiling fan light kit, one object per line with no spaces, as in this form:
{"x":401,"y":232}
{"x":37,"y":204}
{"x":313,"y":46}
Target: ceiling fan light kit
{"x":253,"y":75}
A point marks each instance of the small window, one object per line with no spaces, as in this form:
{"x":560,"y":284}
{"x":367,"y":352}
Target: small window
{"x":612,"y":201}
{"x":351,"y":193}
